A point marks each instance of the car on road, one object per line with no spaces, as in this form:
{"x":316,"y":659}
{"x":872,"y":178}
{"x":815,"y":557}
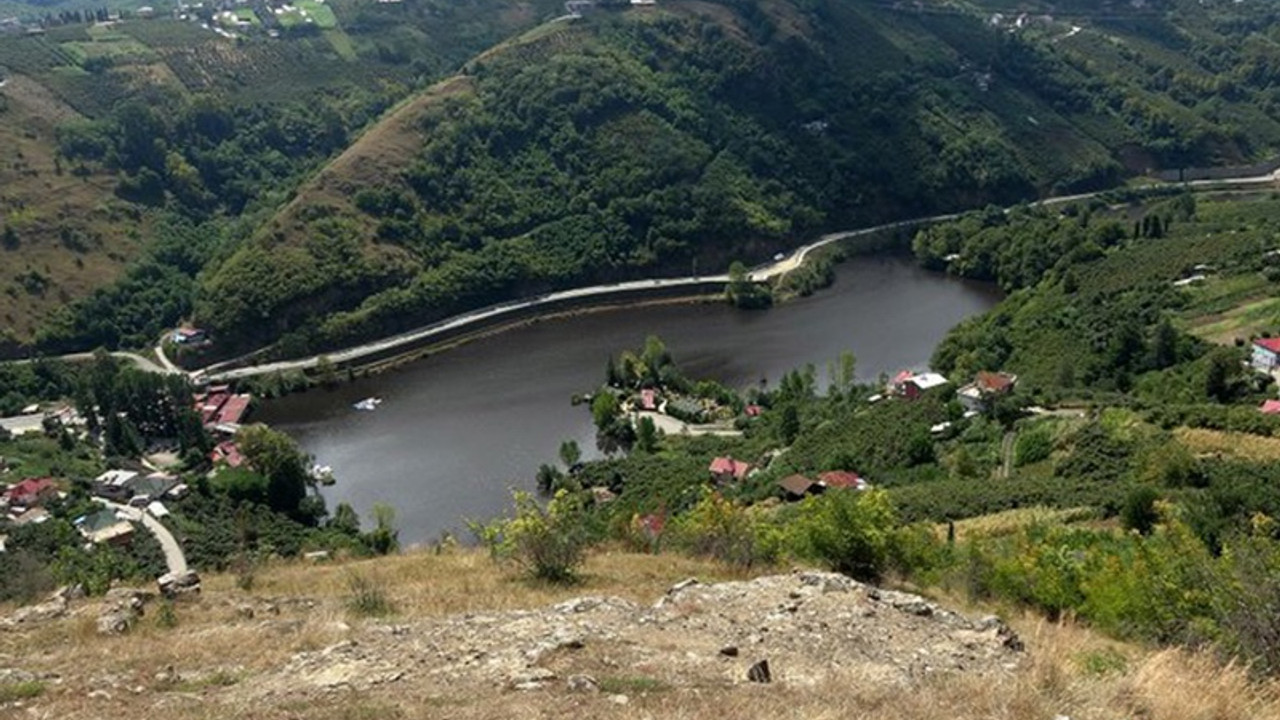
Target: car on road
{"x":779,"y":257}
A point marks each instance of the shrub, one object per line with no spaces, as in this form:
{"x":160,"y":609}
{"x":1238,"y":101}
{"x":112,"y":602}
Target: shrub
{"x":549,"y":543}
{"x":1139,"y":512}
{"x":1033,"y":445}
{"x":368,"y":597}
{"x":9,"y":692}
{"x":848,"y":531}
{"x":718,"y":528}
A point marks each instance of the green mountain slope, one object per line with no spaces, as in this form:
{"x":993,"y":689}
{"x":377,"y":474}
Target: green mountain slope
{"x":640,"y":141}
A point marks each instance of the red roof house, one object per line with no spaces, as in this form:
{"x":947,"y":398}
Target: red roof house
{"x":1270,"y":407}
{"x":228,"y":453}
{"x":842,"y":479}
{"x":219,"y":407}
{"x":648,"y":399}
{"x":31,"y":492}
{"x":753,"y":410}
{"x":1266,"y":354}
{"x":726,"y":469}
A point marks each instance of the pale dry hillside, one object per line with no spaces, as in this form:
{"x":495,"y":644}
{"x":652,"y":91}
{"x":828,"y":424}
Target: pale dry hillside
{"x":465,"y":640}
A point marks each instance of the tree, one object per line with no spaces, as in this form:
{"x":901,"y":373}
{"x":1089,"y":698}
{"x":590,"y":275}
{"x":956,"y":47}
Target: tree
{"x":604,"y":410}
{"x":9,"y":238}
{"x":1220,"y":374}
{"x":570,"y":453}
{"x":1164,"y":345}
{"x":345,"y":520}
{"x":646,"y":435}
{"x":788,"y":424}
{"x":277,"y":457}
{"x":1139,"y":512}
{"x":383,"y":539}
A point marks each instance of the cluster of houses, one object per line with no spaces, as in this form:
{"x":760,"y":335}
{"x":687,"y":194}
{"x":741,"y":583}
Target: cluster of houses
{"x":221,"y":412}
{"x":798,"y":487}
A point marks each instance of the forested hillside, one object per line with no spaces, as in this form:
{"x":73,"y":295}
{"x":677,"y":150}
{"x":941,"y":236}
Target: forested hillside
{"x":115,"y":132}
{"x":648,"y":141}
{"x":625,"y":143}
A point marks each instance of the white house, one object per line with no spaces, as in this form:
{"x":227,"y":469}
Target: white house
{"x":1266,"y":354}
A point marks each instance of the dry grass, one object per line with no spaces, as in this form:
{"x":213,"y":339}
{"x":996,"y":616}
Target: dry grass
{"x":1241,"y":445}
{"x":1011,"y":521}
{"x":1069,"y":670}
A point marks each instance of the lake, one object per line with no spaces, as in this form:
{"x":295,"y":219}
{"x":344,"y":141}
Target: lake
{"x":458,"y":430}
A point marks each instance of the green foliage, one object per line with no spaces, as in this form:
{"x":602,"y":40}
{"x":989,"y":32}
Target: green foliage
{"x":286,"y":469}
{"x":719,"y":528}
{"x":1033,"y":445}
{"x":548,"y":543}
{"x":25,"y":690}
{"x":850,"y":532}
{"x":1139,"y":512}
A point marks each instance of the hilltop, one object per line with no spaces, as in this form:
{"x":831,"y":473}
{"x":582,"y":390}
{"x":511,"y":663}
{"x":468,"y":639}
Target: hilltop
{"x":645,"y":141}
{"x":638,"y":638}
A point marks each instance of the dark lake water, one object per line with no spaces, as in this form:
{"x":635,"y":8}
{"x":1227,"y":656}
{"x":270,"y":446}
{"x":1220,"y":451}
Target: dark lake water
{"x":458,"y":430}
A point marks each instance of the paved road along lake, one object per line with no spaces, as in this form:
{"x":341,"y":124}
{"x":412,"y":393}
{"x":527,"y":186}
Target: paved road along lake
{"x":458,"y":430}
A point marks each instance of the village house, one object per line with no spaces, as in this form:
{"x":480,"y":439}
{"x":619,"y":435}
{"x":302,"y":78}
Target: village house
{"x":1270,"y":407}
{"x":798,"y":487}
{"x":145,"y":490}
{"x":649,"y":399}
{"x":32,"y":492}
{"x":189,"y":336}
{"x":726,"y":470}
{"x":1266,"y":354}
{"x":105,"y":527}
{"x":842,"y":479}
{"x":985,"y":388}
{"x":226,"y":453}
{"x":33,"y":516}
{"x":912,"y":385}
{"x":222,"y":410}
{"x":115,"y":485}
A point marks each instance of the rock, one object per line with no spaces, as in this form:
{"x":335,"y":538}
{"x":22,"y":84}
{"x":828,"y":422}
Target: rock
{"x":14,"y":676}
{"x":316,"y":556}
{"x":99,"y":695}
{"x":682,"y":585}
{"x":729,"y":651}
{"x":245,"y":611}
{"x":43,"y":612}
{"x":619,"y":699}
{"x":759,"y":672}
{"x":583,"y":684}
{"x":116,"y":622}
{"x":531,"y":678}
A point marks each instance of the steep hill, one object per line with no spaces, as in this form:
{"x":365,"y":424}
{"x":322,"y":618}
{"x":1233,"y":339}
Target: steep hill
{"x":463,"y":641}
{"x":220,"y":114}
{"x":59,"y":230}
{"x":662,"y":140}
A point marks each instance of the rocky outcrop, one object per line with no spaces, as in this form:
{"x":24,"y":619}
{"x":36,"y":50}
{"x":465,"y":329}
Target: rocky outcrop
{"x":800,"y":629}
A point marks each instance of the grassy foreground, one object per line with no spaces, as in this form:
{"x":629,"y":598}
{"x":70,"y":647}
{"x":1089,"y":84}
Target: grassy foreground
{"x":217,"y":649}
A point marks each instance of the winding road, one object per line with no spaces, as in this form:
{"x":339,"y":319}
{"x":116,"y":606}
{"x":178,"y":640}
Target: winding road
{"x":173,"y":555}
{"x":223,"y":372}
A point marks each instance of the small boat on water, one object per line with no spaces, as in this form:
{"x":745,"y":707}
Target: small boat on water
{"x":368,"y":404}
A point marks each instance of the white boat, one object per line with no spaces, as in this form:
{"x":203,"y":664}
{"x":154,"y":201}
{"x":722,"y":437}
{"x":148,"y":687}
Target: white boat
{"x":368,"y":404}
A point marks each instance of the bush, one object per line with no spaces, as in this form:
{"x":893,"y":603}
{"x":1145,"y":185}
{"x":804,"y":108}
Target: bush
{"x":1033,"y":445}
{"x":1139,"y":512}
{"x":550,"y":544}
{"x":368,"y":597}
{"x":720,"y":529}
{"x":850,"y":532}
